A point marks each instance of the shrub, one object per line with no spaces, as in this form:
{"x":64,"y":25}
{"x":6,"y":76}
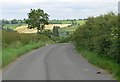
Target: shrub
{"x":99,"y":34}
{"x":13,"y":38}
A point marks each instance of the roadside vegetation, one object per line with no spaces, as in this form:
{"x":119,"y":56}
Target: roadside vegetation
{"x":0,"y":48}
{"x":16,"y":44}
{"x":97,"y":40}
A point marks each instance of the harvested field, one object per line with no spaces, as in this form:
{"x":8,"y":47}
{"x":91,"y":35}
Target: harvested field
{"x":24,"y":29}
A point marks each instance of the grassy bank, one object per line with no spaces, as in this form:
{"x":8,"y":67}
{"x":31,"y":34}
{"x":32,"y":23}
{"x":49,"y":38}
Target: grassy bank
{"x":16,"y":44}
{"x":0,"y":58}
{"x":102,"y":62}
{"x":10,"y":54}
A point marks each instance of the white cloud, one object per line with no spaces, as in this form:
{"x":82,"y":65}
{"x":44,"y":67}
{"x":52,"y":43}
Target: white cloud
{"x":34,"y":1}
{"x":59,"y":9}
{"x":19,"y":1}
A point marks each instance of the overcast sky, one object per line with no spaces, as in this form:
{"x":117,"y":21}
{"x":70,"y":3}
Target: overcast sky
{"x":57,"y":9}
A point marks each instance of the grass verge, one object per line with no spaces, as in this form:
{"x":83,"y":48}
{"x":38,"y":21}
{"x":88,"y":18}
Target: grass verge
{"x":10,"y":54}
{"x":102,"y":62}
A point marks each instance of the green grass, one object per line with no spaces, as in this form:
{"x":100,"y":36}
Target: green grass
{"x":81,"y":22}
{"x":102,"y":62}
{"x":0,"y":59}
{"x":12,"y":26}
{"x":63,"y":31}
{"x":59,"y":21}
{"x":70,"y":29}
{"x":16,"y":44}
{"x":10,"y":54}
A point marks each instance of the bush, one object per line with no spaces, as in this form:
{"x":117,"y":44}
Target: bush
{"x":64,"y":39}
{"x":12,"y":38}
{"x":100,"y":35}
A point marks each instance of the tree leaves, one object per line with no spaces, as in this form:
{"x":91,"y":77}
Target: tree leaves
{"x":99,"y":34}
{"x":37,"y":19}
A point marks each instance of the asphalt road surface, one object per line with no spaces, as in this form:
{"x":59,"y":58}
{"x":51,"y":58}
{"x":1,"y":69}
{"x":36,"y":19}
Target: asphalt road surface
{"x":53,"y":62}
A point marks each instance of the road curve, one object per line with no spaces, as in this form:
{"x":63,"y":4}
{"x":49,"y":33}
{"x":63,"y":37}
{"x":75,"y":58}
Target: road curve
{"x":53,"y":62}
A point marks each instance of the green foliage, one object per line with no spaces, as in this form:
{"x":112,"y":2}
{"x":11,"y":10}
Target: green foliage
{"x":67,"y":31}
{"x":55,"y":31}
{"x":64,"y":39}
{"x":100,"y":35}
{"x":47,"y":33}
{"x":10,"y":54}
{"x":11,"y":26}
{"x":68,"y":21}
{"x":14,"y":21}
{"x":37,"y":19}
{"x":14,"y":39}
{"x":55,"y":39}
{"x":59,"y":21}
{"x":103,"y":62}
{"x":16,"y":44}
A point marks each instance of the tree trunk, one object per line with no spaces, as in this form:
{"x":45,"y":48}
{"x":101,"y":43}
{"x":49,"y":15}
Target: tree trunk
{"x":38,"y":31}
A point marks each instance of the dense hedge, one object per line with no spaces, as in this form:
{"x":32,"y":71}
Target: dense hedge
{"x":99,"y":34}
{"x":13,"y":38}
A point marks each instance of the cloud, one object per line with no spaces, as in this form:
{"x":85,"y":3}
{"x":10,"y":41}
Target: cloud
{"x":58,"y":9}
{"x":33,"y":1}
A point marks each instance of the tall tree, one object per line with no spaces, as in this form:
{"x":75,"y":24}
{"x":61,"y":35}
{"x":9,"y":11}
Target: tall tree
{"x":55,"y":31}
{"x":14,"y":21}
{"x":37,"y":19}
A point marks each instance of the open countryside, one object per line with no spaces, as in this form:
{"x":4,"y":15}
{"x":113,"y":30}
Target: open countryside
{"x":42,"y":47}
{"x":24,"y":29}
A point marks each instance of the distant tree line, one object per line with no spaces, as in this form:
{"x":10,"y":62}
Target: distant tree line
{"x":13,"y":21}
{"x":67,"y":21}
{"x":100,"y":35}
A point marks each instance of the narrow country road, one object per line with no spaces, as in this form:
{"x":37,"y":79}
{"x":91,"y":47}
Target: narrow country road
{"x":53,"y":62}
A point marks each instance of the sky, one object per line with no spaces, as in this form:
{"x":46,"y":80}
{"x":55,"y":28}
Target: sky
{"x":57,"y":9}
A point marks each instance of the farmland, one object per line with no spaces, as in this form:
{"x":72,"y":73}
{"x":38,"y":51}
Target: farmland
{"x":60,"y":40}
{"x":16,"y":44}
{"x":71,"y":29}
{"x":24,"y":29}
{"x":12,"y":26}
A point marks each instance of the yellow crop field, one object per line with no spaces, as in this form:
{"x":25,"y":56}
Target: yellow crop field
{"x":24,"y":29}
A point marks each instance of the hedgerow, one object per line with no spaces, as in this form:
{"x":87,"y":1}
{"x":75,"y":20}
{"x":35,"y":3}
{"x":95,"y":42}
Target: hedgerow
{"x":100,"y":35}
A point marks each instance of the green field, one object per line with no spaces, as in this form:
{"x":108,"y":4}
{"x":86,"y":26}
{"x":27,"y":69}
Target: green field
{"x":81,"y":22}
{"x":59,"y":22}
{"x":70,"y":29}
{"x":12,"y":26}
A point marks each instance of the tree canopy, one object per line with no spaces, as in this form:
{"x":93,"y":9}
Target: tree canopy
{"x":37,"y":19}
